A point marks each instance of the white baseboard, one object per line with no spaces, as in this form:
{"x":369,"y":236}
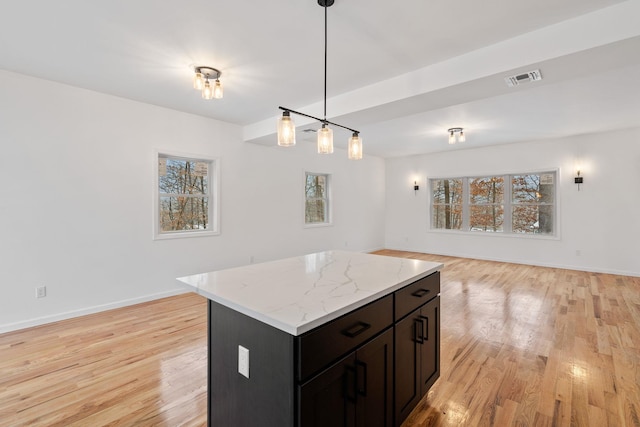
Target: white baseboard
{"x":539,"y":264}
{"x":23,"y":324}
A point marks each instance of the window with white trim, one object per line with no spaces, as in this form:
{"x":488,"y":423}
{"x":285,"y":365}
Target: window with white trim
{"x":513,"y":203}
{"x":446,"y":203}
{"x":186,"y":196}
{"x":316,"y":199}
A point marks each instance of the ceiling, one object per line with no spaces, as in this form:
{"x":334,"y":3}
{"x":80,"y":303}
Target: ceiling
{"x":399,"y":72}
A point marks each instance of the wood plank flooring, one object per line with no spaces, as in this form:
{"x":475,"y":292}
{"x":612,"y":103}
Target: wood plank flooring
{"x":144,"y":365}
{"x":521,"y":346}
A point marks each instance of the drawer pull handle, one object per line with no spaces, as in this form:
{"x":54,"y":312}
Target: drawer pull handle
{"x":420,"y":293}
{"x":356,"y":329}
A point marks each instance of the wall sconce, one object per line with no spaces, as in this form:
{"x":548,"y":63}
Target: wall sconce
{"x":578,"y":179}
{"x":416,"y":187}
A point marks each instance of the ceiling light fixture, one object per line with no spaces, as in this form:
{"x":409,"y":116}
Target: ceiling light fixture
{"x":456,"y":135}
{"x":201,"y":82}
{"x":287,"y":129}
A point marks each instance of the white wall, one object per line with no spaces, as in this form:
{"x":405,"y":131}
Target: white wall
{"x":601,"y":221}
{"x":76,"y":169}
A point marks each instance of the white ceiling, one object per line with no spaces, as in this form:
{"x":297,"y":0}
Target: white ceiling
{"x":400,"y":72}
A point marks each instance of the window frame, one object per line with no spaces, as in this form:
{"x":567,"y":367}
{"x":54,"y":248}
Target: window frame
{"x":213,"y":195}
{"x":508,"y":204}
{"x":451,"y":206}
{"x":327,"y":200}
{"x":502,"y":203}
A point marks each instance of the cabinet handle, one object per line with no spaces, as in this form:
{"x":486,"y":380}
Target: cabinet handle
{"x":361,"y":391}
{"x":346,"y":384}
{"x":426,"y":327}
{"x":355,"y":330}
{"x":421,"y":292}
{"x":419,"y":338}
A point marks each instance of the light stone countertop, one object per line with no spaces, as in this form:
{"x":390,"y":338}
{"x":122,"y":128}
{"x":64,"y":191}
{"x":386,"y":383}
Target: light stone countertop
{"x":298,"y":294}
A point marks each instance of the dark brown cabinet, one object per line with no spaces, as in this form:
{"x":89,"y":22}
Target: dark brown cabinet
{"x":354,"y":392}
{"x":367,"y":368}
{"x":417,"y":364}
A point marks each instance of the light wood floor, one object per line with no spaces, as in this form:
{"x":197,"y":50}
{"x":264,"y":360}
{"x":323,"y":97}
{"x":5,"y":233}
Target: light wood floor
{"x":521,"y":346}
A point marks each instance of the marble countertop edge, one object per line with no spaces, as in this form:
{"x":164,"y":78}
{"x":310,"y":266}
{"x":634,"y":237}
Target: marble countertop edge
{"x":297,"y":324}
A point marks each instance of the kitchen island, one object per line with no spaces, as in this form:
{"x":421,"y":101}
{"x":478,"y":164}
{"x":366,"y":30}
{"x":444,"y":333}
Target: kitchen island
{"x":327,"y":339}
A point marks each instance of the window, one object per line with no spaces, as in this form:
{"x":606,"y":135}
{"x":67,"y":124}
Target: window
{"x":185,"y":202}
{"x":447,"y":203}
{"x":533,"y":199}
{"x":316,"y":202}
{"x":516,"y":203}
{"x":486,"y":204}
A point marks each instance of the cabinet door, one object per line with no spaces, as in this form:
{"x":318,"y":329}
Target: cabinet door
{"x":329,"y":398}
{"x":408,"y":333}
{"x":430,"y":357}
{"x":374,"y":379}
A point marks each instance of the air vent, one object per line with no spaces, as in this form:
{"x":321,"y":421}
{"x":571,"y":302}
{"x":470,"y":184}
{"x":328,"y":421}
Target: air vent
{"x":309,"y":130}
{"x":519,"y":79}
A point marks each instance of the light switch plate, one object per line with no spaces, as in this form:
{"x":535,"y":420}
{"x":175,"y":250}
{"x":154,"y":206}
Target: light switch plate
{"x":243,"y":361}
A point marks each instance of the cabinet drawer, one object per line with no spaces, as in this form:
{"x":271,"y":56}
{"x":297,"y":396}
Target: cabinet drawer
{"x":321,"y":346}
{"x":414,"y":295}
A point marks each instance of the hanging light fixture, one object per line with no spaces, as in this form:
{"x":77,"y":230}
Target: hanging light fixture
{"x":355,"y":147}
{"x":325,"y":140}
{"x":201,"y":82}
{"x":456,"y":135}
{"x":286,"y":130}
{"x":325,"y":135}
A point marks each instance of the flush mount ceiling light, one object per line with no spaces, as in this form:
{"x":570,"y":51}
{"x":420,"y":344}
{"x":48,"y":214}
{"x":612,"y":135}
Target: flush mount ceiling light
{"x":201,"y":82}
{"x":287,"y":129}
{"x":456,"y":135}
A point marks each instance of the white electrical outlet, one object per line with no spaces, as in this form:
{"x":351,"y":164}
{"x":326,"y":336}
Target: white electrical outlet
{"x":243,"y":361}
{"x":41,"y":291}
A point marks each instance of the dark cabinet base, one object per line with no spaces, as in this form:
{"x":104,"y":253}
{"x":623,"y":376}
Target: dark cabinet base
{"x":417,"y":345}
{"x":355,"y":392}
{"x":375,"y":382}
{"x":266,"y":397}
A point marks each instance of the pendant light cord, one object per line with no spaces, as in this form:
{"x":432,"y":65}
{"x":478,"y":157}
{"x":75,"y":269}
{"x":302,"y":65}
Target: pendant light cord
{"x":325,"y":62}
{"x":324,"y":121}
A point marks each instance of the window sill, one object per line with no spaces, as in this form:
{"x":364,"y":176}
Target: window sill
{"x":500,"y":234}
{"x":318,"y":225}
{"x":184,"y":235}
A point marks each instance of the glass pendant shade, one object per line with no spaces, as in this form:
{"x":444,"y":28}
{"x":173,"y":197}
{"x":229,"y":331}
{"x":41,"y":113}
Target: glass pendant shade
{"x":286,"y":130}
{"x":355,"y":147}
{"x":461,"y":137}
{"x":207,"y":90}
{"x":217,"y":89}
{"x":325,"y":140}
{"x":452,"y":138}
{"x":198,"y":81}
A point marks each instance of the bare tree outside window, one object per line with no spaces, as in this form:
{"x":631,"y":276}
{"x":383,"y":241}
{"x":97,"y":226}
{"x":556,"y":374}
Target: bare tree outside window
{"x":447,"y":203}
{"x":486,"y":204}
{"x":526,"y":206}
{"x":184,"y":194}
{"x":533,"y":203}
{"x":316,"y":198}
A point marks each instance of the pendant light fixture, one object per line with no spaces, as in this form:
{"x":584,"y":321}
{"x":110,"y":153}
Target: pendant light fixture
{"x":286,"y":127}
{"x":201,"y":82}
{"x":355,"y":147}
{"x":286,"y":130}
